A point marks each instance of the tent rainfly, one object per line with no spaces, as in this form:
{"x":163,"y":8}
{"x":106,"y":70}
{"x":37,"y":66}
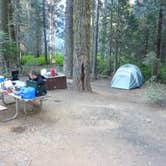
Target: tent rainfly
{"x":127,"y":76}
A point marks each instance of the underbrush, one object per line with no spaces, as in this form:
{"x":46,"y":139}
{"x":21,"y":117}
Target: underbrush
{"x":156,"y":92}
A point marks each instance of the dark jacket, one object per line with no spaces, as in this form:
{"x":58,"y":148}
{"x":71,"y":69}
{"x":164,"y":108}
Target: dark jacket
{"x":39,"y":79}
{"x":40,"y":89}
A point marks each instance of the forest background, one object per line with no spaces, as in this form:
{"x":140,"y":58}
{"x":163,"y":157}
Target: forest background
{"x":43,"y":32}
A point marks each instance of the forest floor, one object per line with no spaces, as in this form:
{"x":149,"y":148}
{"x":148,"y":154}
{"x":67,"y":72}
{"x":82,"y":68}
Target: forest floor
{"x":109,"y":127}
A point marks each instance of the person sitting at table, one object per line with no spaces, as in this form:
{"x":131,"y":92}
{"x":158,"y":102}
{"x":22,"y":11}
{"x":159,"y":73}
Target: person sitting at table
{"x":40,"y":85}
{"x":40,"y":82}
{"x":34,"y":76}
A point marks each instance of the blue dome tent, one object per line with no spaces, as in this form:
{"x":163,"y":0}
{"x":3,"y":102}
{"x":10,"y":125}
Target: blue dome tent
{"x":127,"y":76}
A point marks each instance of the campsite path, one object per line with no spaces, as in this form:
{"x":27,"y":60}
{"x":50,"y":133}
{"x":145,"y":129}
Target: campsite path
{"x":109,"y":127}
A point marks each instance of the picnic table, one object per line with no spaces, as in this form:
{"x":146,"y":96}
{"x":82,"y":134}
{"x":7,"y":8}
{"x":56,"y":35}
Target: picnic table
{"x":18,"y":99}
{"x":2,"y":108}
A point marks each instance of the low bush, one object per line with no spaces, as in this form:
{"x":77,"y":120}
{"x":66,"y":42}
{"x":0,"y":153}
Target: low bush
{"x":103,"y":67}
{"x":40,"y":60}
{"x":30,"y":59}
{"x":59,"y":59}
{"x":146,"y":71}
{"x":26,"y":59}
{"x":162,"y":75}
{"x":156,"y":92}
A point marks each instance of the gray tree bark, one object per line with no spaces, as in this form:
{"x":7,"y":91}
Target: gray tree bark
{"x":93,"y":13}
{"x":51,"y":5}
{"x":111,"y":37}
{"x":68,"y":57}
{"x":44,"y":31}
{"x":104,"y":27}
{"x":156,"y":69}
{"x":95,"y":17}
{"x":17,"y":29}
{"x":81,"y":68}
{"x":38,"y":30}
{"x":4,"y":15}
{"x":4,"y":9}
{"x":117,"y":39}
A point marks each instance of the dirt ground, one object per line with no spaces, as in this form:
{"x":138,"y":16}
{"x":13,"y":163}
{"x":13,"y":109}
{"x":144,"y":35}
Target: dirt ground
{"x":108,"y":127}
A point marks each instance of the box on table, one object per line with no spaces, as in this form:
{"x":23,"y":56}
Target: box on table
{"x":56,"y":82}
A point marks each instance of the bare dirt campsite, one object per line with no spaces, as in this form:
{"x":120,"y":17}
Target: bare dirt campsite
{"x":109,"y":127}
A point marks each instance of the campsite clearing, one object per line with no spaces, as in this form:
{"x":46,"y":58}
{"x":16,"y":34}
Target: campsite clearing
{"x":108,"y":127}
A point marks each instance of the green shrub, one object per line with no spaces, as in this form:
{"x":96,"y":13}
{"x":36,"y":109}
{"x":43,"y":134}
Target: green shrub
{"x":156,"y":92}
{"x":162,"y":75}
{"x":146,"y":71}
{"x":40,"y":60}
{"x":59,"y":59}
{"x":124,"y":60}
{"x":27,"y":59}
{"x":103,"y":67}
{"x":31,"y":60}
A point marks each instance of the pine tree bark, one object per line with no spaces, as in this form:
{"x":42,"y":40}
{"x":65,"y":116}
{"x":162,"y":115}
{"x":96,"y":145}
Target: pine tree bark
{"x":95,"y":38}
{"x":4,"y":26}
{"x":116,"y":59}
{"x":51,"y":28}
{"x":12,"y":35}
{"x":44,"y":31}
{"x":93,"y":18}
{"x":156,"y":69}
{"x":38,"y":31}
{"x":4,"y":16}
{"x":81,"y":68}
{"x":111,"y":37}
{"x":104,"y":27}
{"x":17,"y":30}
{"x":38,"y":50}
{"x":68,"y":57}
{"x":146,"y":41}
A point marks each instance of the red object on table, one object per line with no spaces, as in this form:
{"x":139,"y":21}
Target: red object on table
{"x":52,"y":72}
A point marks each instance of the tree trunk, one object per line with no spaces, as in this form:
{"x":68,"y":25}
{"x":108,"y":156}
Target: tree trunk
{"x":51,"y":29}
{"x":93,"y":14}
{"x":146,"y":41}
{"x":4,"y":15}
{"x":44,"y":31}
{"x":4,"y":26}
{"x":104,"y":27}
{"x":38,"y":31}
{"x":12,"y":35}
{"x":81,"y":71}
{"x":116,"y":60}
{"x":68,"y":57}
{"x":95,"y":40}
{"x":18,"y":31}
{"x":111,"y":37}
{"x":38,"y":42}
{"x":158,"y":48}
{"x":116,"y":56}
